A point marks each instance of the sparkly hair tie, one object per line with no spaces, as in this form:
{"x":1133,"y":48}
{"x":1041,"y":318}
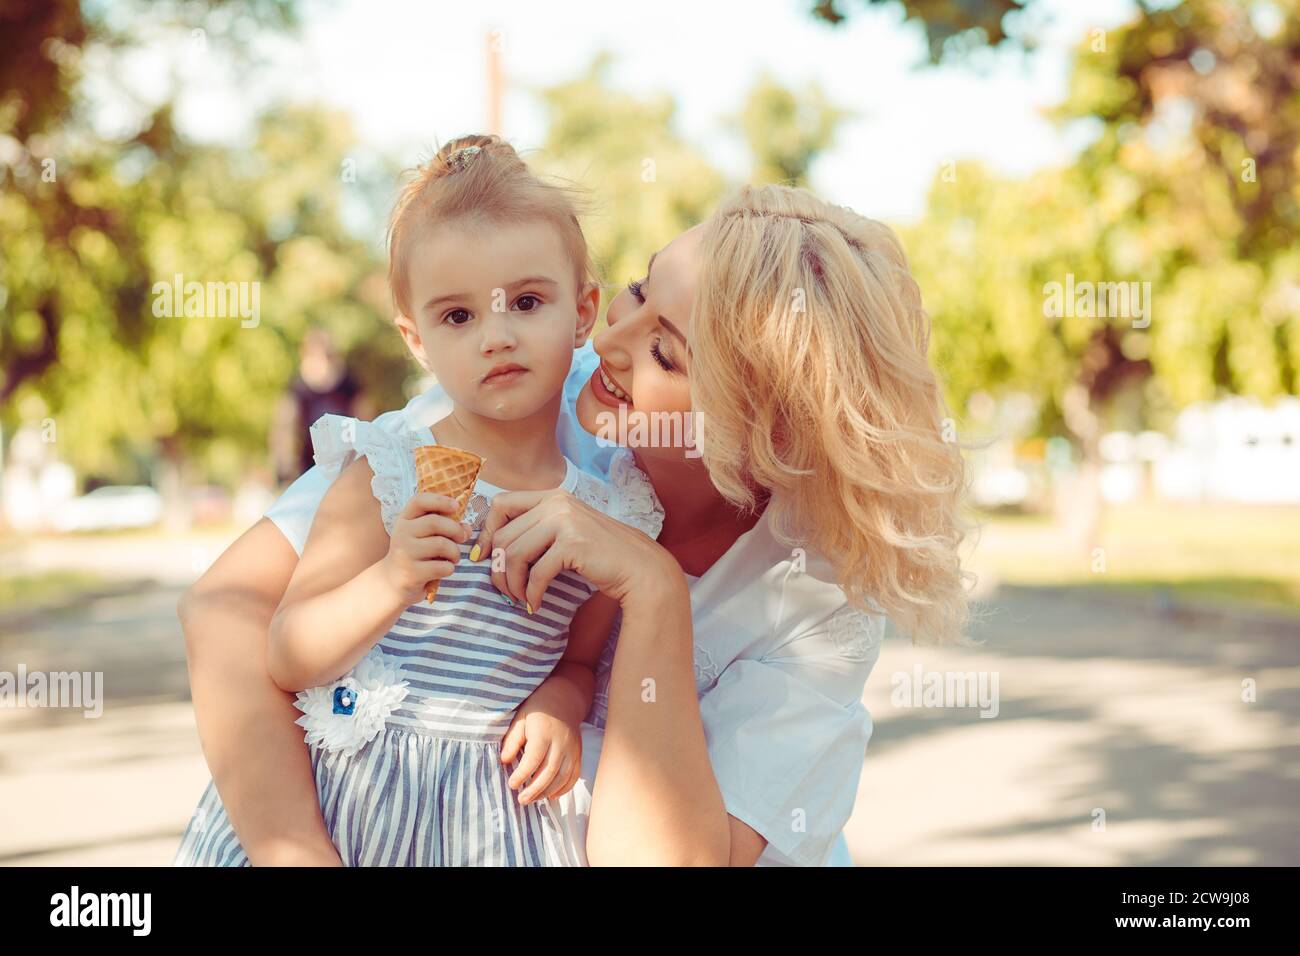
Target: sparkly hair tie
{"x":461,"y":159}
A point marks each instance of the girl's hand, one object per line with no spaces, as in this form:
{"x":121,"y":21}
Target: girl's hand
{"x":531,"y":536}
{"x":552,"y":752}
{"x":425,"y":544}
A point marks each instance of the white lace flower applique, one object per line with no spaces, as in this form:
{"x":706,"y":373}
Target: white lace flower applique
{"x":855,"y":632}
{"x":345,"y":715}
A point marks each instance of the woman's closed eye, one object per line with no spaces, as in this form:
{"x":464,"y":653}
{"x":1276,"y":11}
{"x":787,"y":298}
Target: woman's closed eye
{"x":660,"y":357}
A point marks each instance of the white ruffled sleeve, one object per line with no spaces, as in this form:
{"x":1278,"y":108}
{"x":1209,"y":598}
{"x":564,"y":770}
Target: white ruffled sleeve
{"x":787,"y":733}
{"x":632,"y":498}
{"x":338,"y":441}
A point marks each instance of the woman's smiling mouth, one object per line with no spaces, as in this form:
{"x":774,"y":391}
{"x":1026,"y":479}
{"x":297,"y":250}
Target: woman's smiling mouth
{"x":606,"y":390}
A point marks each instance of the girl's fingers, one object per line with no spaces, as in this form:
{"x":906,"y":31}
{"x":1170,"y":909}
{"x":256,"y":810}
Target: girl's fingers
{"x":564,"y":780}
{"x":427,"y":549}
{"x":534,"y":754}
{"x":512,"y":741}
{"x":429,"y":502}
{"x":545,"y":776}
{"x":428,"y":525}
{"x":434,"y":570}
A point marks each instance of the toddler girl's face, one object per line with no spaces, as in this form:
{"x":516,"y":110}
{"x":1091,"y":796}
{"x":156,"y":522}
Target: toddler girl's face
{"x":493,"y":295}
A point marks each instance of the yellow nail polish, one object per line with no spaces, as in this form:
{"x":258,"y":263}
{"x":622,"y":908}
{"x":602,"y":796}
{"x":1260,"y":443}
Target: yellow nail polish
{"x":529,"y":606}
{"x":474,"y":553}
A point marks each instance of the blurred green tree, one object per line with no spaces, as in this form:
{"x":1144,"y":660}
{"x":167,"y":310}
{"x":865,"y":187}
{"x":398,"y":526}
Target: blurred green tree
{"x":653,"y":184}
{"x":953,"y":28}
{"x":92,"y":227}
{"x":786,"y":130}
{"x":1190,"y":185}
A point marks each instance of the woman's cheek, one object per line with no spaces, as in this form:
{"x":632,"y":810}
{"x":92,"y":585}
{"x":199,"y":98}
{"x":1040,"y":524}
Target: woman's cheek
{"x":663,"y":396}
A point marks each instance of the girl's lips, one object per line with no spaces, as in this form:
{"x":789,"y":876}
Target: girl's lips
{"x":505,"y":378}
{"x":604,"y":395}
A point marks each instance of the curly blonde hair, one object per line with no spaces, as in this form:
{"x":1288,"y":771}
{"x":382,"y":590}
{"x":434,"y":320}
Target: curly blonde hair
{"x":808,"y":364}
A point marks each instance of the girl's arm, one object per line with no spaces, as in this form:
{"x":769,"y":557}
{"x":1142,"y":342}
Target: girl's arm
{"x":573,"y":682}
{"x":546,"y":726}
{"x":256,"y":753}
{"x":354,"y":580}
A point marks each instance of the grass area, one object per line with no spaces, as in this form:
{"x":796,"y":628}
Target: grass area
{"x":27,"y":590}
{"x":1236,"y":554}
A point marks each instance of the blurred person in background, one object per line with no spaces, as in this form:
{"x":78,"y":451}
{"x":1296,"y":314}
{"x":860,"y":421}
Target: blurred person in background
{"x":324,"y":385}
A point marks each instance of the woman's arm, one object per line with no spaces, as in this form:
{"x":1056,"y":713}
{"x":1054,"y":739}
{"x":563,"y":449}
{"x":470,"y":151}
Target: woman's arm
{"x":655,"y":800}
{"x":256,"y":753}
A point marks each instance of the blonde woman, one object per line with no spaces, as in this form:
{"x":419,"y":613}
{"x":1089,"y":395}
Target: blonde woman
{"x":728,"y":727}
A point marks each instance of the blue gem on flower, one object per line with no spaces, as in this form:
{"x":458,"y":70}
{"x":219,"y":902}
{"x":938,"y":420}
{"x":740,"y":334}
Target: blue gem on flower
{"x":345,"y":715}
{"x":345,"y":701}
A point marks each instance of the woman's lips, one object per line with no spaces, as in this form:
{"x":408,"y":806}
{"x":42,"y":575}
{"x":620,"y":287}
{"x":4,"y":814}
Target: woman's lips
{"x":505,"y":378}
{"x":604,"y":395}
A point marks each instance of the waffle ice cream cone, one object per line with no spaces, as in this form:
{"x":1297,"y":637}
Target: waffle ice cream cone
{"x":447,"y":471}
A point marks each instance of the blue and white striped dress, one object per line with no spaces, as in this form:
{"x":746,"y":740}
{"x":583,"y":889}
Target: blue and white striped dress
{"x":406,"y":747}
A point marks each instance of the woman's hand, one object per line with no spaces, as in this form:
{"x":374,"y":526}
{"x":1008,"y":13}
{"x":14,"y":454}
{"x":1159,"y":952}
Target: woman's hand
{"x":531,"y":536}
{"x":425,"y":544}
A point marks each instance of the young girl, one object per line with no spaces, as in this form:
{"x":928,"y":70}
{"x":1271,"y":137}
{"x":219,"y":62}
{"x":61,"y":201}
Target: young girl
{"x":416,"y":713}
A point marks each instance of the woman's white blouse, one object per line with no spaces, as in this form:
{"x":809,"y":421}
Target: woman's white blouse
{"x":781,"y":661}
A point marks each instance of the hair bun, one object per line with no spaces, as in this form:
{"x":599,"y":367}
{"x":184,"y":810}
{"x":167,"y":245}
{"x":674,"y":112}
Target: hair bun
{"x":460,"y":153}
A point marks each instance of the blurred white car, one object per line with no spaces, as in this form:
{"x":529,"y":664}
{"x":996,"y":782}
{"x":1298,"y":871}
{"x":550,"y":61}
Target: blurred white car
{"x":110,"y":507}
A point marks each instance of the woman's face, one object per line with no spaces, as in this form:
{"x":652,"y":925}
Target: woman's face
{"x":644,"y":355}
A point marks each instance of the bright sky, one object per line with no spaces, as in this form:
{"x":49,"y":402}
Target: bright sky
{"x":410,"y":73}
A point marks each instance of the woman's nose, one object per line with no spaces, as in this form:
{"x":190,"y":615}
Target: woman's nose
{"x":611,"y":345}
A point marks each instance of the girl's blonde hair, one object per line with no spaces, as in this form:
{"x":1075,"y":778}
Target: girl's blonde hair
{"x":809,"y":368}
{"x":479,"y":179}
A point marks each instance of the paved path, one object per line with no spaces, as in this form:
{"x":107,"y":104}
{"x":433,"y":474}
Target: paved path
{"x":1102,"y":707}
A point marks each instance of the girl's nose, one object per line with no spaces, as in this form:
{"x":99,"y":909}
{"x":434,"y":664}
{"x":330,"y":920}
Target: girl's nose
{"x":496,"y":332}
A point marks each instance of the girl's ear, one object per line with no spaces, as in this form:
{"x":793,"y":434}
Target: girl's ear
{"x":411,"y":336}
{"x":588,"y":310}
